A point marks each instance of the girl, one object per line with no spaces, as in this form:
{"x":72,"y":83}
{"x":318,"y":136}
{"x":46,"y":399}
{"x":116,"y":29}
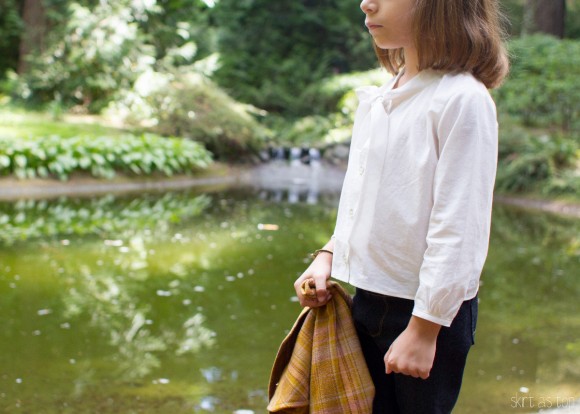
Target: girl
{"x":414,"y":215}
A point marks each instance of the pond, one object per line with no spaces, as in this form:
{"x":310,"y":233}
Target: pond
{"x":176,"y":302}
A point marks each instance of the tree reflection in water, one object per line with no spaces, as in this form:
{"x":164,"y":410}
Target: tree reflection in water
{"x":177,"y":303}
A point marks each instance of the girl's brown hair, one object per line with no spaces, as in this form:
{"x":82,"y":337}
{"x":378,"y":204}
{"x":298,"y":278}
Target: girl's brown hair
{"x":456,"y":36}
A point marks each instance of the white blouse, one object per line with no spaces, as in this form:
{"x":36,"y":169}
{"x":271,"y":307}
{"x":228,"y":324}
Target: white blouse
{"x":415,"y":209}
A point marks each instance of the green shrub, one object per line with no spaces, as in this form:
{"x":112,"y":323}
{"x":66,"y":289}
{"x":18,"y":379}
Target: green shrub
{"x":55,"y":156}
{"x":334,"y":104}
{"x":530,"y":162}
{"x":566,"y":183}
{"x":10,"y":32}
{"x":99,"y":51}
{"x":191,"y":106}
{"x":314,"y":131}
{"x":326,"y":95}
{"x":542,"y":89}
{"x":271,"y":51}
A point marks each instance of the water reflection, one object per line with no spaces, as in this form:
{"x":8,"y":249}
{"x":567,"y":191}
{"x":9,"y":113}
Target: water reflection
{"x":180,"y":304}
{"x":528,"y":332}
{"x":30,"y":219}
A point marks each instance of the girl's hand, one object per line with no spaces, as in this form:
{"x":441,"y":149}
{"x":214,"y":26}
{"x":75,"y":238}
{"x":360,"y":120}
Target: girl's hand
{"x":319,"y":270}
{"x":413,"y":351}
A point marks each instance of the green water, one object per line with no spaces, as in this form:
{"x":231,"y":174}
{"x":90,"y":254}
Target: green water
{"x":177,"y":302}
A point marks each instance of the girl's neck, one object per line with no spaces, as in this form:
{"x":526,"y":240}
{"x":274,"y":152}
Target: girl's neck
{"x":411,"y":67}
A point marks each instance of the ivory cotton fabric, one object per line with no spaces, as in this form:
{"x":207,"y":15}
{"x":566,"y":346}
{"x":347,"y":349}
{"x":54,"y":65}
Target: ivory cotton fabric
{"x":320,"y":368}
{"x":415,"y":210}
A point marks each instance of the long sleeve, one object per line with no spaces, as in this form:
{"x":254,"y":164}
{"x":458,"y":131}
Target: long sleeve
{"x":459,"y":223}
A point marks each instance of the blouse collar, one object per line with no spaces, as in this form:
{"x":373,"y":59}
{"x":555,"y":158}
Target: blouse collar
{"x":369,"y":94}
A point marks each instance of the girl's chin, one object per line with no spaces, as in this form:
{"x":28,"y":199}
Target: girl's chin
{"x":382,"y":44}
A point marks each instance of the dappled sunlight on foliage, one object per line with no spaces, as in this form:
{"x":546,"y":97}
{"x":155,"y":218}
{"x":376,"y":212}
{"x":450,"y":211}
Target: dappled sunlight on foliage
{"x":192,"y":106}
{"x":102,"y":156}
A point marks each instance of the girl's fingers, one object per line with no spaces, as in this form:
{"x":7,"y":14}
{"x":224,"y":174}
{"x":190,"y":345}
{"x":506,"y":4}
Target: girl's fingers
{"x":321,"y":292}
{"x":388,"y":369}
{"x":315,"y":302}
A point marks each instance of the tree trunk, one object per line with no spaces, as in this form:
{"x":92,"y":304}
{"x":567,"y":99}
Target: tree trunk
{"x":33,"y":35}
{"x":545,"y":16}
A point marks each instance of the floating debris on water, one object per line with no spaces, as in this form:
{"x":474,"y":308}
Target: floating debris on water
{"x":268,"y":227}
{"x":65,"y":242}
{"x":199,"y":289}
{"x":208,"y":403}
{"x":114,"y":243}
{"x":163,"y":292}
{"x":19,"y":380}
{"x":161,"y":381}
{"x":525,"y":390}
{"x":42,"y":312}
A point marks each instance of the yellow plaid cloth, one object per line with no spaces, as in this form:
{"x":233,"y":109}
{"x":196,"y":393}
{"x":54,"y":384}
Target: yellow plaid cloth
{"x":320,"y":368}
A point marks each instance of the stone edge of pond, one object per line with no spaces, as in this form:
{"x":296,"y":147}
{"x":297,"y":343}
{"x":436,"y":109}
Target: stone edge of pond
{"x":564,"y":208}
{"x":219,"y":175}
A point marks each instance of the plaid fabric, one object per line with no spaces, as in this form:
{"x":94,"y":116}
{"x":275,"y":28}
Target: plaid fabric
{"x":320,"y":368}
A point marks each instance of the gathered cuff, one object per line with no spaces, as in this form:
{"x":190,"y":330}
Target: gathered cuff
{"x":432,"y":318}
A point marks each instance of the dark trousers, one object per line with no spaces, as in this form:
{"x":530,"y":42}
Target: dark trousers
{"x":379,"y":320}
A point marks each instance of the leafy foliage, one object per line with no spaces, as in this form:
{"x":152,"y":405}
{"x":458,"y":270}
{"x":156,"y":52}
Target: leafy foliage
{"x":102,"y":156}
{"x":192,"y":106}
{"x":336,"y":103}
{"x":540,"y":95}
{"x":272,"y":50}
{"x":537,"y":162}
{"x":99,"y":48}
{"x":100,"y":52}
{"x":10,"y":29}
{"x":542,"y":88}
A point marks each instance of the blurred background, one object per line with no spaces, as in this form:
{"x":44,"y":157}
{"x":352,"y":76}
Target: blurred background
{"x":167,"y":165}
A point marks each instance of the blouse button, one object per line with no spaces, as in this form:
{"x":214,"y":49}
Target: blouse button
{"x":361,"y":170}
{"x":351,"y":213}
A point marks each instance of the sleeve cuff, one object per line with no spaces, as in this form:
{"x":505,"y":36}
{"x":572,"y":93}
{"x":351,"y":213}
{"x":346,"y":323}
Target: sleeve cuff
{"x":431,"y":318}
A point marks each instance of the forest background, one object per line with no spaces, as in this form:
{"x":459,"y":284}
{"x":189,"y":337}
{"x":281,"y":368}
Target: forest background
{"x":170,"y":85}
